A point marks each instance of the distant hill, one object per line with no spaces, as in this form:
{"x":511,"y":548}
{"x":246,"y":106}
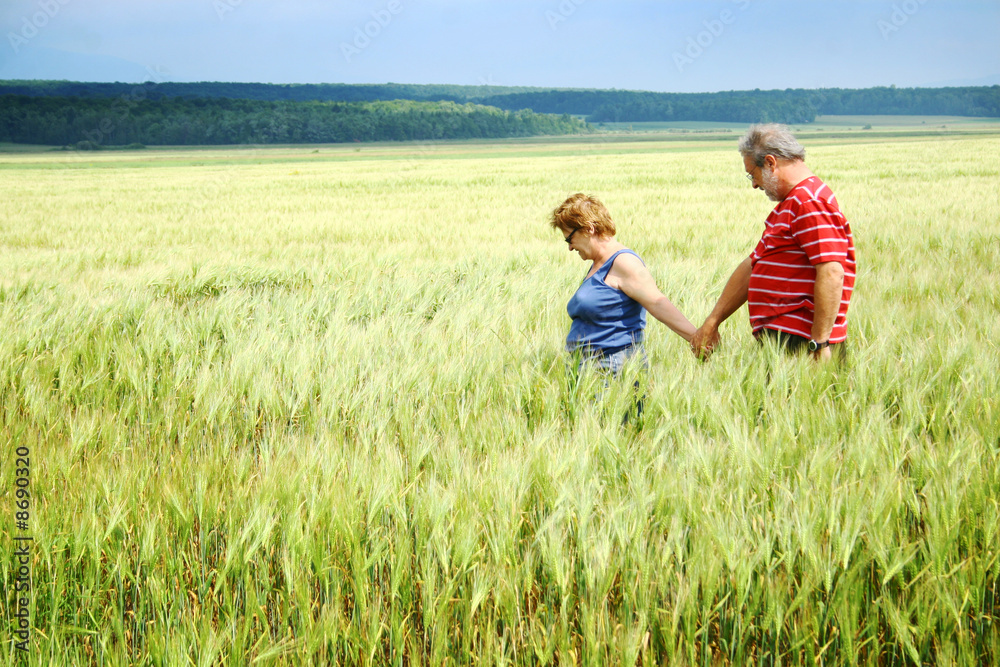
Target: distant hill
{"x":787,"y":106}
{"x":94,"y":122}
{"x":272,"y":92}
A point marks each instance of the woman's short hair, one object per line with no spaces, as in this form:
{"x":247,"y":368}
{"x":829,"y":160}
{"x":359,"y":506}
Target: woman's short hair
{"x":770,"y":139}
{"x":582,"y":210}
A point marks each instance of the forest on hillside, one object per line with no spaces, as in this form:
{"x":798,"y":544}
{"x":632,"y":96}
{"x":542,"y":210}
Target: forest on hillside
{"x":787,"y":106}
{"x":94,"y":122}
{"x":757,"y":106}
{"x":103,"y":114}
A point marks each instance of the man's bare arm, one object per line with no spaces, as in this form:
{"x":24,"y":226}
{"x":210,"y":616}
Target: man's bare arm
{"x":827,"y":293}
{"x":734,"y":295}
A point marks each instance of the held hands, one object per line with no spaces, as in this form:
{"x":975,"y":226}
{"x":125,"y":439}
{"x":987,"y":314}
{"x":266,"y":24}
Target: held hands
{"x":704,"y":341}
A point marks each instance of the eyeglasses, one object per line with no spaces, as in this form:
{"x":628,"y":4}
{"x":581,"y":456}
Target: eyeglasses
{"x":569,"y":238}
{"x":749,"y":174}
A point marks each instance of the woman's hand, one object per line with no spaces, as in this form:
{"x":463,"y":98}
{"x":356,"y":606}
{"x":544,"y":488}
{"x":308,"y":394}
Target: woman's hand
{"x":704,"y":341}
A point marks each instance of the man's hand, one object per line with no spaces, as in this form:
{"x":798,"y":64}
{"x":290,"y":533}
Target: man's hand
{"x":734,"y":295}
{"x":704,"y":341}
{"x":822,"y":356}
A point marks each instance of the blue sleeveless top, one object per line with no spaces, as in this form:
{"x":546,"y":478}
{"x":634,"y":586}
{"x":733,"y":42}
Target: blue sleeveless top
{"x":604,"y":318}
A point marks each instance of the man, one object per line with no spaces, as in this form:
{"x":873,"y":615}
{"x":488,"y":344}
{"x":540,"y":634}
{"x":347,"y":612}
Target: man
{"x":798,"y":280}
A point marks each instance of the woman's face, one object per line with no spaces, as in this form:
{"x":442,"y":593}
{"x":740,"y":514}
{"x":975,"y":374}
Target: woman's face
{"x":579,"y":240}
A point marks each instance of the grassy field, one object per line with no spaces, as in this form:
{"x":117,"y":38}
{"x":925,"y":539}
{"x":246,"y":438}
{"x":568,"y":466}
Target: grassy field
{"x":309,"y":406}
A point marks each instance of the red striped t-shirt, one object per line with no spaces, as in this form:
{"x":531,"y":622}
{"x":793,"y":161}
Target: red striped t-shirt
{"x":805,"y":229}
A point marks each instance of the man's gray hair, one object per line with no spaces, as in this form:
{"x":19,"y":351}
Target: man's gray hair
{"x":770,"y":139}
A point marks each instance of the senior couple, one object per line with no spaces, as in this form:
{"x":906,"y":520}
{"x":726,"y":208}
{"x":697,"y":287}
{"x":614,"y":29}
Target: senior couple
{"x":798,"y":280}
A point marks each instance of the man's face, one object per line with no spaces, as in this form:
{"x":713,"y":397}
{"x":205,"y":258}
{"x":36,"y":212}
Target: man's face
{"x":769,"y":183}
{"x":763,"y":178}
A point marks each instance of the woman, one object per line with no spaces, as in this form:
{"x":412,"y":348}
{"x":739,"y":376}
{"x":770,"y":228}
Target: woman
{"x":609,"y":308}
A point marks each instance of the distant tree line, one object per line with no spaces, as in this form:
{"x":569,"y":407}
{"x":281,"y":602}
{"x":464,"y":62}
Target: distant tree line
{"x":721,"y":107}
{"x":788,"y":106}
{"x":273,"y":92}
{"x":793,"y":106}
{"x":92,"y":122}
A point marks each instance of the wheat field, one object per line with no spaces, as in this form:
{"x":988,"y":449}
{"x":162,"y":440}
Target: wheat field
{"x":310,"y":406}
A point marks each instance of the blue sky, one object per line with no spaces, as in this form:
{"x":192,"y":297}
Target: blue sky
{"x":681,"y":46}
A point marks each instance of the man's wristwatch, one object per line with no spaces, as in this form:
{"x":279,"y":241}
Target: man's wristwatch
{"x":815,"y":347}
